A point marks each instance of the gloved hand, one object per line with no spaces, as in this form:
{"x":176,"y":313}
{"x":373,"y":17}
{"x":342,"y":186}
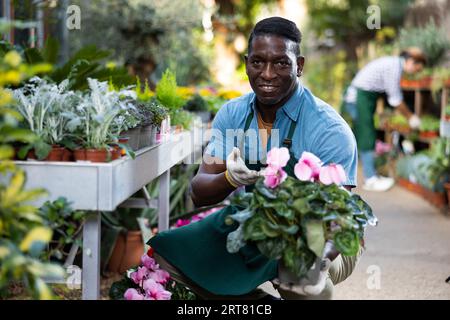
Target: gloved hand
{"x":237,"y":172}
{"x":414,"y":122}
{"x":307,"y":287}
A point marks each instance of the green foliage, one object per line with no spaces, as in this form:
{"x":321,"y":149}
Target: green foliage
{"x":196,"y":103}
{"x":149,"y":36}
{"x":327,"y":76}
{"x":293,"y":221}
{"x":348,"y":18}
{"x":429,"y":123}
{"x":439,"y":165}
{"x":23,"y":235}
{"x":430,"y":38}
{"x":166,"y":92}
{"x":66,"y":224}
{"x":83,"y":64}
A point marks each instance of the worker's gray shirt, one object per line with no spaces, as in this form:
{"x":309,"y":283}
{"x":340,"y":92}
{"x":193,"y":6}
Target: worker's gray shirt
{"x":381,"y":75}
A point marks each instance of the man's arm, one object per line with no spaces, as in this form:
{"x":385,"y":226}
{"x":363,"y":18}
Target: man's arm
{"x":210,"y":186}
{"x":404,"y":110}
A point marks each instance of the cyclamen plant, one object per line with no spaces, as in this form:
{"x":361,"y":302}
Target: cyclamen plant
{"x":291,"y":219}
{"x":150,"y":280}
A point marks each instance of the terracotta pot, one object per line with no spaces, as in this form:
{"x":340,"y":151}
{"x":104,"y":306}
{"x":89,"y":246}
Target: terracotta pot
{"x":116,"y":152}
{"x":79,"y":154}
{"x":428,"y":134}
{"x":127,"y":252}
{"x":425,"y":82}
{"x":67,"y":155}
{"x":56,"y":154}
{"x":97,"y":155}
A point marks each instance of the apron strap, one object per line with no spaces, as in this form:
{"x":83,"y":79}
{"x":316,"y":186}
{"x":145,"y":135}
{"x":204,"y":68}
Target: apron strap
{"x":287,"y":142}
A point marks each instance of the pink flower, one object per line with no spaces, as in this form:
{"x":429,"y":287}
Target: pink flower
{"x":182,"y":222}
{"x":307,"y":167}
{"x":274,"y":176}
{"x":155,"y":291}
{"x":160,"y":276}
{"x":149,"y":262}
{"x":333,"y":173}
{"x":278,"y":157}
{"x":382,"y":148}
{"x":133,"y":294}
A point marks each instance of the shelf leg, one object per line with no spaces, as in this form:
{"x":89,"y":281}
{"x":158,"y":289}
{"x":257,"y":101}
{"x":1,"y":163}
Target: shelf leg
{"x":91,"y":256}
{"x":164,"y":201}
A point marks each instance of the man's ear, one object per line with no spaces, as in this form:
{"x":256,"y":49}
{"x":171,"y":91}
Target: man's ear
{"x":300,"y":64}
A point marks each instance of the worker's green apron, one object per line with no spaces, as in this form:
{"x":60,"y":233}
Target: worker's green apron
{"x":199,"y":251}
{"x":364,"y":127}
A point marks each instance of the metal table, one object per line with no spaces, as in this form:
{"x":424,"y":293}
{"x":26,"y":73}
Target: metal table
{"x":104,"y":186}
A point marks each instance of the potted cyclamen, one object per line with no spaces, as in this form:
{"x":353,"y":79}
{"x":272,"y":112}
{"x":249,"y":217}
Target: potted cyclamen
{"x":42,"y":106}
{"x":292,"y":219}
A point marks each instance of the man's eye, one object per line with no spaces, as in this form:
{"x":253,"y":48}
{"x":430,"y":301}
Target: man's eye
{"x":282,"y":63}
{"x":256,"y":62}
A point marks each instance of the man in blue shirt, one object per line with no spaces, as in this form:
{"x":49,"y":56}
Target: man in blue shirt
{"x":279,"y":112}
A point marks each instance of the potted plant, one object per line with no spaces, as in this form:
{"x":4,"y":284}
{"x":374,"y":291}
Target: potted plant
{"x":429,"y":127}
{"x":98,"y":119}
{"x":67,"y":225}
{"x":42,"y":106}
{"x":128,"y":245}
{"x":291,"y":219}
{"x":168,"y":96}
{"x":198,"y":106}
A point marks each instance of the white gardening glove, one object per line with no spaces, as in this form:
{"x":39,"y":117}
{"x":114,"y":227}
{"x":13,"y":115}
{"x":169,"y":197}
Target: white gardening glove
{"x":238,"y":173}
{"x":414,"y":122}
{"x":306,"y":287}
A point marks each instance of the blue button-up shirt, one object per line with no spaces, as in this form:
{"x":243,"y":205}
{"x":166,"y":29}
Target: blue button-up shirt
{"x":320,"y":130}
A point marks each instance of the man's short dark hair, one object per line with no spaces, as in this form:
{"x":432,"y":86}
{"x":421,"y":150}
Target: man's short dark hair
{"x":277,"y":26}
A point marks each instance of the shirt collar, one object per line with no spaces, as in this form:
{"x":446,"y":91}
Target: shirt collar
{"x":292,"y":107}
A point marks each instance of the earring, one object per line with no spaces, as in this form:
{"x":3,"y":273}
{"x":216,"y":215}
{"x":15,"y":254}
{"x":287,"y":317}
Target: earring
{"x":300,"y":74}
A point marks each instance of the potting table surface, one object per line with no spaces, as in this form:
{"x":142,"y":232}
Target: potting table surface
{"x":100,"y":187}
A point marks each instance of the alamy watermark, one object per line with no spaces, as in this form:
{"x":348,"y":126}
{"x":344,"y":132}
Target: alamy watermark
{"x":73,"y":17}
{"x":374,"y":280}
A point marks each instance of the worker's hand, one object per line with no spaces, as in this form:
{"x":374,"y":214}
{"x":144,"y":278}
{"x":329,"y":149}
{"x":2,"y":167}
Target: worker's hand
{"x":414,"y":122}
{"x":312,"y":287}
{"x":237,"y":172}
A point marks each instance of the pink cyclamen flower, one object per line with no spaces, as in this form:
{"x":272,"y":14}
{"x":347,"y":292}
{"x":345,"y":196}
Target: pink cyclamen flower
{"x":155,"y":291}
{"x":274,"y":176}
{"x":133,"y":294}
{"x":278,"y":157}
{"x":307,"y":167}
{"x":160,"y":276}
{"x":333,"y":173}
{"x":149,"y":262}
{"x":182,"y":222}
{"x":382,"y":148}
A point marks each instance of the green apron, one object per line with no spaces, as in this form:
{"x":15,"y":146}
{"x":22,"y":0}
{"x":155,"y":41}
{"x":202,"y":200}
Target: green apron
{"x":199,"y":251}
{"x":364,"y":127}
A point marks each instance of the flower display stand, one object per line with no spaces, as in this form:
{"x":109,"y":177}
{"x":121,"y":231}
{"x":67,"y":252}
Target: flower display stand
{"x":97,"y":187}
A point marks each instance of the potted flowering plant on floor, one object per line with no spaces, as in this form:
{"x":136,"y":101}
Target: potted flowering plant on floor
{"x":290,"y":219}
